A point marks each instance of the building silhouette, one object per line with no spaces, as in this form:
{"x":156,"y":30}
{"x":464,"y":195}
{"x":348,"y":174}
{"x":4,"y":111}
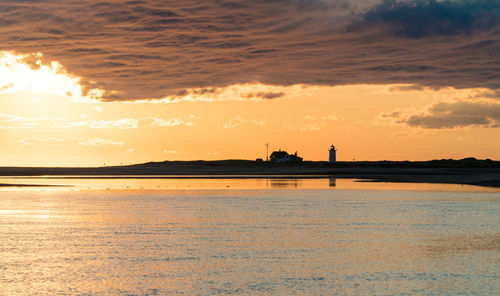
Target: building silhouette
{"x":333,"y":154}
{"x":283,"y":156}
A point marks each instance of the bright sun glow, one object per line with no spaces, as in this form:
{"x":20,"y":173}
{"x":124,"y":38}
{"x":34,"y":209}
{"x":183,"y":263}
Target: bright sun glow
{"x":29,"y":73}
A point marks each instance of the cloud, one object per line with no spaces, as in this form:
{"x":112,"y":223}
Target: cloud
{"x":259,"y":122}
{"x":158,"y":122}
{"x":312,"y":122}
{"x":447,"y":115}
{"x":403,"y":88}
{"x":8,"y":121}
{"x":233,"y":122}
{"x":265,"y":95}
{"x":487,"y":94}
{"x":424,"y":18}
{"x":324,"y":117}
{"x":238,"y":120}
{"x":303,"y":127}
{"x":235,"y":92}
{"x":20,"y":72}
{"x":333,"y":117}
{"x":96,"y":142}
{"x":99,"y":142}
{"x":126,"y":123}
{"x":457,"y":114}
{"x":156,"y":49}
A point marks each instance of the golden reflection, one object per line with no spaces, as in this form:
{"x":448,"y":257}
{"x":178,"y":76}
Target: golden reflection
{"x":285,"y":183}
{"x":238,"y":241}
{"x":71,"y":183}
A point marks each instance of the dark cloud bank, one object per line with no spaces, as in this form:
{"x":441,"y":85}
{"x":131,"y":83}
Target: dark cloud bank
{"x":153,"y":48}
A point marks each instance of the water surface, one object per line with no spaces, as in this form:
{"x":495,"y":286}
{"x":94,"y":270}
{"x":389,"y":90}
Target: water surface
{"x":222,"y":182}
{"x":249,"y":241}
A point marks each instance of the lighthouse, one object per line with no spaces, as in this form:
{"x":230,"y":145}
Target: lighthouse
{"x":333,"y":154}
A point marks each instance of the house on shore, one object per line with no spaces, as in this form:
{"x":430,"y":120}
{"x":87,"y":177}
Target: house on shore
{"x":283,"y":156}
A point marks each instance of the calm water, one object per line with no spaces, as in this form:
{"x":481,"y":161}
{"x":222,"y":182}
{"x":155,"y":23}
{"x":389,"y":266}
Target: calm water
{"x":292,"y":238}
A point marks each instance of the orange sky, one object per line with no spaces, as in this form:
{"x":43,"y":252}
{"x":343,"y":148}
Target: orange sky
{"x":86,"y":83}
{"x":41,"y":125}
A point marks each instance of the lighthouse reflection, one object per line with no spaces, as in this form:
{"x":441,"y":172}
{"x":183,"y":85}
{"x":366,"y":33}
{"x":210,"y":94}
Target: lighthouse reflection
{"x":332,"y":182}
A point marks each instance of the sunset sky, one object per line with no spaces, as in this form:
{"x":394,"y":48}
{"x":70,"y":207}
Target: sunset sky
{"x":87,"y":83}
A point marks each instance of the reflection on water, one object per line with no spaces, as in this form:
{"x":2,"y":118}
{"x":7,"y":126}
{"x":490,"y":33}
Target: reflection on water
{"x":332,"y":182}
{"x":285,"y":183}
{"x":249,"y":242}
{"x":220,"y":182}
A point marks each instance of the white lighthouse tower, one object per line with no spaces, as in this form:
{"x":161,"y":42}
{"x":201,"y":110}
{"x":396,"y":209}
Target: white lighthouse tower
{"x":333,"y":154}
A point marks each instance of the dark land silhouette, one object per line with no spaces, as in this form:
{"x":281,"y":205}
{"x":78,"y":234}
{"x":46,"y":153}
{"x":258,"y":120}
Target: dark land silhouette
{"x":469,"y":171}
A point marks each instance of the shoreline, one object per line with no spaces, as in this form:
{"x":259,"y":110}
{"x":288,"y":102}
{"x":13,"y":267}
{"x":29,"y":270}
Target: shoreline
{"x":466,"y":172}
{"x":29,"y":185}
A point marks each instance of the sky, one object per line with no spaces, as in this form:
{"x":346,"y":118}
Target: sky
{"x":92,"y":83}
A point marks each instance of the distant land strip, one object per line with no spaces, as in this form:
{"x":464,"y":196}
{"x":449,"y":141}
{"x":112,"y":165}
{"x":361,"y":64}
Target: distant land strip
{"x":468,"y":171}
{"x":30,"y":185}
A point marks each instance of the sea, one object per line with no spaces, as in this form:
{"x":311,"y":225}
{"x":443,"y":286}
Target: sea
{"x":205,"y":235}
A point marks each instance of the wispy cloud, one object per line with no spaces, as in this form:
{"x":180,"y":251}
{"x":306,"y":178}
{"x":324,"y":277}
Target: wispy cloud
{"x":233,"y":122}
{"x":96,"y":142}
{"x":11,"y":121}
{"x":238,"y":121}
{"x":312,"y":122}
{"x":158,"y":122}
{"x":235,"y":92}
{"x":8,"y":121}
{"x":324,"y":117}
{"x":303,"y":127}
{"x":259,"y":122}
{"x":127,"y":123}
{"x":99,"y":142}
